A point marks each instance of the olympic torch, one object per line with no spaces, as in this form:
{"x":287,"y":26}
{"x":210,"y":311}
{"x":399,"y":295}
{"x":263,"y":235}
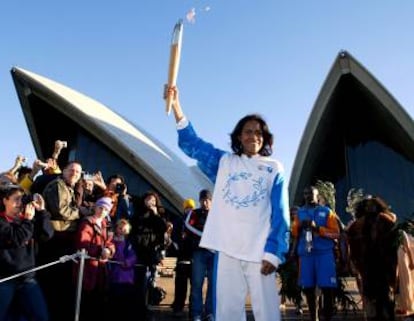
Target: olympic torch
{"x":175,"y":55}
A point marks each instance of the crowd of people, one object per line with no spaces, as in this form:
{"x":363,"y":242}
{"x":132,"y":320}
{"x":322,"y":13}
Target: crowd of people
{"x":93,"y":233}
{"x":48,"y":215}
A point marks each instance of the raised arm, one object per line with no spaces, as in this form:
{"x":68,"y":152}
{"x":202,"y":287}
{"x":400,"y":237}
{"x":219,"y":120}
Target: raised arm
{"x":17,"y":164}
{"x":59,"y":145}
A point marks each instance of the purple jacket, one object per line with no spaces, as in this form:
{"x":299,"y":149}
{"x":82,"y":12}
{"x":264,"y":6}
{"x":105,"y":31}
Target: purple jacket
{"x":125,"y":255}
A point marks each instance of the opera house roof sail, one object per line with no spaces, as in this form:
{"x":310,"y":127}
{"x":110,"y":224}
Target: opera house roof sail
{"x":357,"y":136}
{"x":102,"y":140}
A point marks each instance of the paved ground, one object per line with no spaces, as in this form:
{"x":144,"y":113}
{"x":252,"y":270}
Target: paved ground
{"x":163,"y":311}
{"x":162,"y":315}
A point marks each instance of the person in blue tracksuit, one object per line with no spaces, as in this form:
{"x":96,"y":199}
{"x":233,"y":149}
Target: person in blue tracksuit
{"x":316,"y":227}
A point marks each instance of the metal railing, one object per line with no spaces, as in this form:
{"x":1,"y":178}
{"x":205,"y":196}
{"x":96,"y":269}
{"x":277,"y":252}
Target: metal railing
{"x":78,"y":257}
{"x":63,"y":259}
{"x":81,"y":255}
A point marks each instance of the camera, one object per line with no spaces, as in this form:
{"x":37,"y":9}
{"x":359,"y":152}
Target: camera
{"x":27,"y":198}
{"x":21,"y":159}
{"x":62,"y":143}
{"x":119,"y":188}
{"x":87,"y":177}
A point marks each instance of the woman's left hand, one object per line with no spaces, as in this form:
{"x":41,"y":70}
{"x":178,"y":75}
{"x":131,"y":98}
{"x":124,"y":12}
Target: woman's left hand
{"x":267,"y":268}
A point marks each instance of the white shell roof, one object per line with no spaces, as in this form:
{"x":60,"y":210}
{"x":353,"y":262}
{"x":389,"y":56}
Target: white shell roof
{"x":149,"y":157}
{"x":344,"y":64}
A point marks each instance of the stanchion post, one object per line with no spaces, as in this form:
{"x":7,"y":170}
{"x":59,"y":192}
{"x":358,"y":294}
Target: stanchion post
{"x":79,"y":285}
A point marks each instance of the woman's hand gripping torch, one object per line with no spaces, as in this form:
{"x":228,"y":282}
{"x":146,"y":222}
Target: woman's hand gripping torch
{"x":175,"y":55}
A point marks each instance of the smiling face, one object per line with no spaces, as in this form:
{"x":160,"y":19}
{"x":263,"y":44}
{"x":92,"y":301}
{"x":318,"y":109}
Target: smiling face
{"x":72,"y":173}
{"x":251,"y":138}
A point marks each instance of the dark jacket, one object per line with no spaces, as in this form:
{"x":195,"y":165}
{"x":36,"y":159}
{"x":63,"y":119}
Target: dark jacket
{"x":18,"y":243}
{"x":147,"y":237}
{"x":194,"y":226}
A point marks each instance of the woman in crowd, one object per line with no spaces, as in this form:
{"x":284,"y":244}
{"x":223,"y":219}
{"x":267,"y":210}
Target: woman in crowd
{"x":148,"y":235}
{"x":21,"y":226}
{"x":371,"y":240}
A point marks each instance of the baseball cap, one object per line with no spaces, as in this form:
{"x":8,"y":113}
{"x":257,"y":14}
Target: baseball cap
{"x":189,"y":203}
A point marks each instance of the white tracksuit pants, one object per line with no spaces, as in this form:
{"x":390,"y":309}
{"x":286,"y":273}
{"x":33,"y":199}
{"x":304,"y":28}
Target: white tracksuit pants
{"x":234,"y":280}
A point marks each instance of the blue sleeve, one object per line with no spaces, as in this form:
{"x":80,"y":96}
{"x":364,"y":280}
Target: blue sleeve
{"x":206,"y":155}
{"x":278,"y":240}
{"x":124,"y":209}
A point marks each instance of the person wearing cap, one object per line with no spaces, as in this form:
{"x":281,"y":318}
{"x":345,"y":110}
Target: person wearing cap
{"x":188,"y":205}
{"x":183,"y":266}
{"x":248,"y":223}
{"x":92,"y":236}
{"x":203,"y":259}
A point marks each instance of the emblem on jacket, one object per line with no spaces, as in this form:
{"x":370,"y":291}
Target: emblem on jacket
{"x":255,"y":190}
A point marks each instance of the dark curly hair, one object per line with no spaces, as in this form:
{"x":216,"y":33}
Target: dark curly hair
{"x":372,"y":205}
{"x":236,"y":145}
{"x":160,"y":207}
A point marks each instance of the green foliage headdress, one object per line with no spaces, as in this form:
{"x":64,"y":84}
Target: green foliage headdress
{"x":327,"y":191}
{"x":355,"y":196}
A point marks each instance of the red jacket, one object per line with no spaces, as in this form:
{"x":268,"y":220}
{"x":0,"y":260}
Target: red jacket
{"x":93,"y":238}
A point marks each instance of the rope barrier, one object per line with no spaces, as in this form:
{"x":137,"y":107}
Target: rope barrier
{"x":112,"y":261}
{"x":73,"y":257}
{"x":62,"y":259}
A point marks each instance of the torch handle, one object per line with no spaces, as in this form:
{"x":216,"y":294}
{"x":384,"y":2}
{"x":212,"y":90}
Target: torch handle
{"x":173,"y":71}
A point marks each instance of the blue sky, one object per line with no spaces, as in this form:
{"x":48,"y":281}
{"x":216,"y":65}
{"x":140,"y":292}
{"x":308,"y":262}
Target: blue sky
{"x":238,"y":57}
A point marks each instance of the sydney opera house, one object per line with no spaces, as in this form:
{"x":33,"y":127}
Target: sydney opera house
{"x":102,"y":140}
{"x":357,"y":136}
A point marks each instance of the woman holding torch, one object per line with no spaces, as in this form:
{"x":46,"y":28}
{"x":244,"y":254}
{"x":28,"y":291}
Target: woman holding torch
{"x":248,"y":224}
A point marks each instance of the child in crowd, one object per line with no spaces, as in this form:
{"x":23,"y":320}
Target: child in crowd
{"x":121,"y":275}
